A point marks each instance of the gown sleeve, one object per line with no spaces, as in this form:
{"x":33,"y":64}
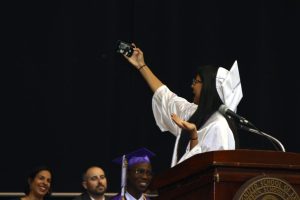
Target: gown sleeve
{"x":165,"y":103}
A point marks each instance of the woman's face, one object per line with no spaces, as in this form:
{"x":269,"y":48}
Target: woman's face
{"x":41,"y":183}
{"x":197,"y":87}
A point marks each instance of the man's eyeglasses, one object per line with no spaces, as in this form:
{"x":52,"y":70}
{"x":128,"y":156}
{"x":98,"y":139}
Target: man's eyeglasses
{"x":196,"y":81}
{"x":141,"y":172}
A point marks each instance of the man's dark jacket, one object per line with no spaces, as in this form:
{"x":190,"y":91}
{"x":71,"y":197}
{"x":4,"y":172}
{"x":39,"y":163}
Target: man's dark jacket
{"x":86,"y":196}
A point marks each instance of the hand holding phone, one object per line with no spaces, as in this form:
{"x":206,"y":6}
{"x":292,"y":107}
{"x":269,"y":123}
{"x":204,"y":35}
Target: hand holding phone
{"x":124,"y":48}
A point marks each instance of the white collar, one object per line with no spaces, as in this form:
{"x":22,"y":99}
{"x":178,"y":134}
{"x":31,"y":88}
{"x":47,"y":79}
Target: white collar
{"x":130,"y":197}
{"x":103,"y":198}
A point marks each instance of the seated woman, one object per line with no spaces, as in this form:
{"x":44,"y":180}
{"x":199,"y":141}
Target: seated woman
{"x":39,"y":184}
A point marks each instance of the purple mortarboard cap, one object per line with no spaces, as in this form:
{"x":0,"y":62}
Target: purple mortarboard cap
{"x":141,"y":155}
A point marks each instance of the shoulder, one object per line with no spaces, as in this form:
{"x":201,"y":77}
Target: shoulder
{"x":216,"y":126}
{"x":117,"y":197}
{"x":216,"y":120}
{"x":108,"y":198}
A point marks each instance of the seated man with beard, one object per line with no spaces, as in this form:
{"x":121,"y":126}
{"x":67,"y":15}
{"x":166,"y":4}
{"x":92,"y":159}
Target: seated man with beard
{"x":95,"y":184}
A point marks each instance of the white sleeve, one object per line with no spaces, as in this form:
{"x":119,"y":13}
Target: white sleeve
{"x":165,"y":103}
{"x":189,"y":153}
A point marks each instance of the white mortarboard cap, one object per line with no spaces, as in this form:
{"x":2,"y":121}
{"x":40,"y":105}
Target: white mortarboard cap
{"x":229,"y":87}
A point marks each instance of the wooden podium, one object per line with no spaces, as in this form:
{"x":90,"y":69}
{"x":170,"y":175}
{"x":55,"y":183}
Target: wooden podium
{"x":219,"y":175}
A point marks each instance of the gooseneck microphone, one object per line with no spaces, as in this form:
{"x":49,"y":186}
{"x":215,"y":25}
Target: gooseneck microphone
{"x":224,"y":110}
{"x":271,"y":138}
{"x":244,"y":124}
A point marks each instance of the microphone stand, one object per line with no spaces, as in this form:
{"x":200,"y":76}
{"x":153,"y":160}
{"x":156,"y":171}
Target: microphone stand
{"x":257,"y":131}
{"x":248,"y":126}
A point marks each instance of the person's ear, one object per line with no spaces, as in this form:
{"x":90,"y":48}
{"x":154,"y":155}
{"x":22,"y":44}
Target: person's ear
{"x":84,"y":184}
{"x":29,"y":182}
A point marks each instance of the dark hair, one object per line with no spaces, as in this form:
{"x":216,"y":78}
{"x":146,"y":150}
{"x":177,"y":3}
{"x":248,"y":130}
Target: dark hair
{"x":209,"y":101}
{"x":31,"y":176}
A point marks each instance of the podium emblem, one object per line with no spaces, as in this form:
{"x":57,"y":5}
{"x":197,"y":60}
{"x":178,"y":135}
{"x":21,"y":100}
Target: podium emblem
{"x":266,"y":188}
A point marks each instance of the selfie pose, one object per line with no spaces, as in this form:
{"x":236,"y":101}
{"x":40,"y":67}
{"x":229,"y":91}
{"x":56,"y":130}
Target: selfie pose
{"x":198,"y":125}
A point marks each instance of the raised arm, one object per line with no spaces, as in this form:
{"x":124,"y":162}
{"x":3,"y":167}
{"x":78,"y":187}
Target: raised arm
{"x":137,"y":60}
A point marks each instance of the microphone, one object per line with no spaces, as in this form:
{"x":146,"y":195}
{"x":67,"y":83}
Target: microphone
{"x":224,"y":110}
{"x":269,"y":137}
{"x":248,"y":126}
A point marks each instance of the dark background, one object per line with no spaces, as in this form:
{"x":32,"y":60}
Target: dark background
{"x":70,"y":101}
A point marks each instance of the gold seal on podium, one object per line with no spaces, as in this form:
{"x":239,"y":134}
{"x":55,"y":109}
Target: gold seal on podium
{"x":266,"y":188}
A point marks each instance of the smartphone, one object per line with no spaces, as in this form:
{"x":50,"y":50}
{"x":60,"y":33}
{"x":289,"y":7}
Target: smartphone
{"x":124,"y":48}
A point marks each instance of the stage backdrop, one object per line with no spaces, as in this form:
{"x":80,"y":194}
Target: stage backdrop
{"x":70,"y":101}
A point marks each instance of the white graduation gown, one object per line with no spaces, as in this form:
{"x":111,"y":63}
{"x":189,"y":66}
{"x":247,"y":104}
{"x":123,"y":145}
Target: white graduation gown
{"x":215,"y":134}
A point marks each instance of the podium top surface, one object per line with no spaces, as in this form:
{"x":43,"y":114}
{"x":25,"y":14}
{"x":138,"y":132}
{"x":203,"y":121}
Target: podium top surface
{"x":257,"y":159}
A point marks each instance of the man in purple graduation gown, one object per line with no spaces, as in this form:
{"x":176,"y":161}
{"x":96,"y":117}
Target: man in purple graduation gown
{"x":136,"y":175}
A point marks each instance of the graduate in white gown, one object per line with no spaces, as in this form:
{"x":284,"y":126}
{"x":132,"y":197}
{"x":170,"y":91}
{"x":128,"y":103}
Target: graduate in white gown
{"x":198,"y":126}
